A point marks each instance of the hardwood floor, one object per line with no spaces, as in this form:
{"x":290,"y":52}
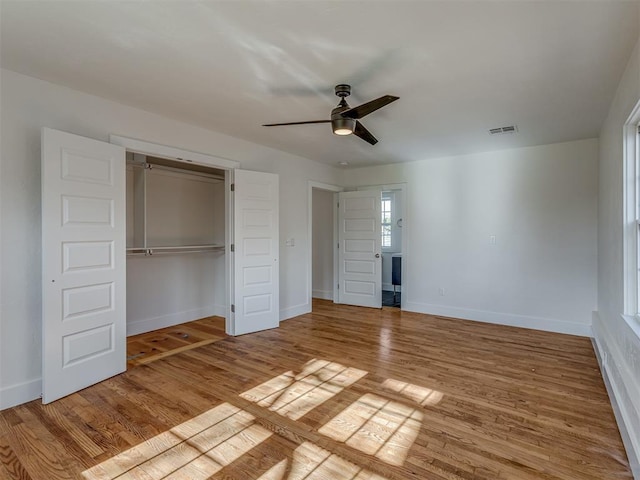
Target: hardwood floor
{"x":152,"y":346}
{"x":342,"y":393}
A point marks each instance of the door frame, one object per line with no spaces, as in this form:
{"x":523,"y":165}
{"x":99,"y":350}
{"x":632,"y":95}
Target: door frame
{"x":186,"y":156}
{"x":330,"y":188}
{"x":405,"y":227}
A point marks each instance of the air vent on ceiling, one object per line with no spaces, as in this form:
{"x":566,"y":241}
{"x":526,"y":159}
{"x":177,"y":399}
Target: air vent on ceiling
{"x":500,"y":130}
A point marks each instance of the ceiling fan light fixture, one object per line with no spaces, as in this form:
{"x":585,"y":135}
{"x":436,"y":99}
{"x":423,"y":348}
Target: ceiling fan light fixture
{"x":343,"y":126}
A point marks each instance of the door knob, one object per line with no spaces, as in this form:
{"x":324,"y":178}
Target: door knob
{"x":377,"y":255}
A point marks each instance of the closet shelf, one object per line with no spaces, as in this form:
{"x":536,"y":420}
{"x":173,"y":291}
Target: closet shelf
{"x":150,"y":251}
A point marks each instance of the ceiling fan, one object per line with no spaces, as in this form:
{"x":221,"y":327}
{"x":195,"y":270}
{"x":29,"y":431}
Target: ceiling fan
{"x":344,"y":119}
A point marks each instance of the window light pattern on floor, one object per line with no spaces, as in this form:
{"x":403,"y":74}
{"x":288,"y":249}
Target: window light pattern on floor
{"x":421,"y":395}
{"x":203,"y":446}
{"x":311,"y":462}
{"x":195,"y":449}
{"x":376,"y":426}
{"x":294,"y":396}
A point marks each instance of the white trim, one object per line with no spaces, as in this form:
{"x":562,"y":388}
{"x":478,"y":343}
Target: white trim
{"x":164,"y":151}
{"x":331,"y":188}
{"x":163,"y":321}
{"x":290,"y":312}
{"x":229,"y":265}
{"x":620,"y":393}
{"x":523,"y":321}
{"x":20,"y":393}
{"x":323,"y":294}
{"x":336,"y":263}
{"x":633,"y":323}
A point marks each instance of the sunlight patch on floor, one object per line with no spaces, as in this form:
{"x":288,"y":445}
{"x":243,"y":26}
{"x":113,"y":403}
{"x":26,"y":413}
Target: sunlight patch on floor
{"x":294,"y":396}
{"x":311,"y":462}
{"x":195,"y":449}
{"x":376,"y":426}
{"x":202,"y":446}
{"x":423,"y":396}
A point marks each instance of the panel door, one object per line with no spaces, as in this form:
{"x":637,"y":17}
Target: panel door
{"x":83,"y":263}
{"x":360,"y":246}
{"x":256,"y":273}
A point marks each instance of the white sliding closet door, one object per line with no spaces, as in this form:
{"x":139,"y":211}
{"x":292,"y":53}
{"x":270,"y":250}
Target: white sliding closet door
{"x":256,"y":273}
{"x":83,"y":260}
{"x":359,"y":254}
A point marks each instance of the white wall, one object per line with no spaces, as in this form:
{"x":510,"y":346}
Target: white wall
{"x":539,"y":202}
{"x":29,"y":104}
{"x":322,"y":270}
{"x":618,"y":345}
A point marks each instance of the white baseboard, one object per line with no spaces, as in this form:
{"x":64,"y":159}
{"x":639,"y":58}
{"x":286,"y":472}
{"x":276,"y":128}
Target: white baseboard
{"x":21,"y":393}
{"x":286,"y":313}
{"x":523,"y":321}
{"x":323,"y":294}
{"x":621,"y":394}
{"x":136,"y":327}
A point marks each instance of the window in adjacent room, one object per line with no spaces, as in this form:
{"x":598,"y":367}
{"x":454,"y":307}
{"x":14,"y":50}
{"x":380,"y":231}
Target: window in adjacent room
{"x":387,"y":216}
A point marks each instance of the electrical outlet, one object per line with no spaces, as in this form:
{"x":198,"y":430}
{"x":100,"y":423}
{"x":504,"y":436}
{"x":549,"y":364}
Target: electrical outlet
{"x":441,"y":291}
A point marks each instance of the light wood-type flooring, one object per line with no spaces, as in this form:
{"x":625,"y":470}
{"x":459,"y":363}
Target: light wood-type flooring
{"x":341,"y":393}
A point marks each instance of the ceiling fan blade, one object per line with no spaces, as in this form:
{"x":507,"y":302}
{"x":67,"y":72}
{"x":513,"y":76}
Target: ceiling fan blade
{"x":364,"y":134}
{"x":295,"y":123}
{"x":366,"y":108}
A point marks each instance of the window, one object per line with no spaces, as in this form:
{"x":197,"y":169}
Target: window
{"x":631,"y":207}
{"x":390,"y":221}
{"x":387,"y":206}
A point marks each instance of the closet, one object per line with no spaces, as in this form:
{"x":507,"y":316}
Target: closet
{"x":132,"y":243}
{"x":175,"y":236}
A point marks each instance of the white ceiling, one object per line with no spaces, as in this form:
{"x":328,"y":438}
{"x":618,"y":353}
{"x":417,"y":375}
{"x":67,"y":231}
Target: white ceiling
{"x":459,"y":68}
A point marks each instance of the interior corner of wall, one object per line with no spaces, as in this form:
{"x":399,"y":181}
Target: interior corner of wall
{"x":20,"y":393}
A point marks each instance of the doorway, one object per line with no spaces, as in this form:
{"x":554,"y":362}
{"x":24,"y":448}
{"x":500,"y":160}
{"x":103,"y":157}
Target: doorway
{"x":322,"y":238}
{"x":370,"y":243}
{"x":324,"y":263}
{"x":392,"y":201}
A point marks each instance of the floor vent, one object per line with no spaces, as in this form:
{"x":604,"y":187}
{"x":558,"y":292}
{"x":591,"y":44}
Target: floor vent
{"x":500,"y":130}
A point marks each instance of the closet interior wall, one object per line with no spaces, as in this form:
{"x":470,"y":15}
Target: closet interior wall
{"x":175,"y":243}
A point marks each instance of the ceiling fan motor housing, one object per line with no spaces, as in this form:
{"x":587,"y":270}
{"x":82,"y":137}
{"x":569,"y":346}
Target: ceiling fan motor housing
{"x":343,"y":90}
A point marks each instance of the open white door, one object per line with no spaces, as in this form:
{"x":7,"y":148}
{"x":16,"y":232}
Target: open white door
{"x":83,"y":263}
{"x":256,"y":274}
{"x":359,"y":251}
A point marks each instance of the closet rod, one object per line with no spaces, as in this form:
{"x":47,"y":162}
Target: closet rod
{"x":181,"y":252}
{"x":153,"y":166}
{"x":185,"y":247}
{"x":149,"y":251}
